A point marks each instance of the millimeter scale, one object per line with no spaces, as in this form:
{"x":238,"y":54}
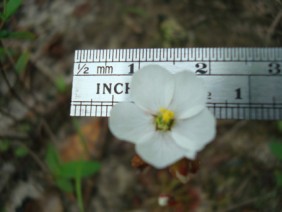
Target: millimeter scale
{"x":243,"y":83}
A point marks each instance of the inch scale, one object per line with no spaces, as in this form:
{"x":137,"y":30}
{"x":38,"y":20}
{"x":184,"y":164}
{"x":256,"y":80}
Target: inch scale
{"x":243,"y":83}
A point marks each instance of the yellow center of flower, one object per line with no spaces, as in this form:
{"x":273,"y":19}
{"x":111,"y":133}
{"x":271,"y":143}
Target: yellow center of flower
{"x":164,"y":119}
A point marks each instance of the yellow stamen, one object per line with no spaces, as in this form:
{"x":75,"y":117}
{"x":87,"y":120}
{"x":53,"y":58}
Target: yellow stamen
{"x":164,"y":119}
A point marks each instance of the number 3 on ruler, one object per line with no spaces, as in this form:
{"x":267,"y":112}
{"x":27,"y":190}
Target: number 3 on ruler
{"x":274,"y":68}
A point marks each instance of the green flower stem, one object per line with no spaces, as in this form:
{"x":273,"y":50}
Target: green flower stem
{"x":78,"y":192}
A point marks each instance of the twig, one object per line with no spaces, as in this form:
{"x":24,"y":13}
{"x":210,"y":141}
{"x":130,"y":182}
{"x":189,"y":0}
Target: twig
{"x":233,"y":131}
{"x":240,"y":189}
{"x":273,"y":26}
{"x":49,"y":131}
{"x":249,"y":201}
{"x":14,"y":136}
{"x":43,"y":69}
{"x":12,"y":62}
{"x":13,"y":91}
{"x":8,"y":115}
{"x":39,"y":162}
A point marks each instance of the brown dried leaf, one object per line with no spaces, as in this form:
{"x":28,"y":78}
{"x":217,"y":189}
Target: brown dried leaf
{"x":86,"y":144}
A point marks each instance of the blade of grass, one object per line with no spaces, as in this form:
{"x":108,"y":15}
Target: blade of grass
{"x":22,"y":62}
{"x":10,"y":8}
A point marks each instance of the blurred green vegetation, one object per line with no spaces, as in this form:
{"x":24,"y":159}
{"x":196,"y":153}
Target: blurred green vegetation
{"x":276,"y":149}
{"x":65,"y":173}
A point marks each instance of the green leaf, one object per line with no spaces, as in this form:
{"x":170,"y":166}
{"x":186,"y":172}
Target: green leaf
{"x":20,"y":152}
{"x":4,"y":52}
{"x":3,"y":209}
{"x":83,"y":168}
{"x":61,"y":84}
{"x":278,"y":175}
{"x":4,"y":34}
{"x":52,"y":160}
{"x":21,"y":35}
{"x":69,"y":170}
{"x":276,"y":149}
{"x":10,"y":8}
{"x":22,"y":62}
{"x":64,"y":184}
{"x":4,"y":145}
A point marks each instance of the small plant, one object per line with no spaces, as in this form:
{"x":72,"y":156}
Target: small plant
{"x":65,"y":172}
{"x":10,"y":7}
{"x":18,"y":61}
{"x":19,"y":151}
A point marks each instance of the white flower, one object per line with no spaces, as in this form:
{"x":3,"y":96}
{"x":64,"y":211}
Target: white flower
{"x":163,"y":200}
{"x":168,"y":119}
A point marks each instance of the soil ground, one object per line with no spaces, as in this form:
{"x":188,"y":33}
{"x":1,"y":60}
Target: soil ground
{"x":237,"y":170}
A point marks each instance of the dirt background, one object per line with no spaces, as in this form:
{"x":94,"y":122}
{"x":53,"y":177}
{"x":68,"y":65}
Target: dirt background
{"x":237,"y":171}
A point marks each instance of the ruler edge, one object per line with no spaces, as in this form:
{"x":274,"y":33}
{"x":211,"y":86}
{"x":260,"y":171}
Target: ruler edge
{"x":205,"y":51}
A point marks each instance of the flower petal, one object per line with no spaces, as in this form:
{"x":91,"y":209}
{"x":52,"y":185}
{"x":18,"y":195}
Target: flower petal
{"x":160,"y":150}
{"x":152,"y":87}
{"x":130,"y":123}
{"x":190,"y":95}
{"x":190,"y":154}
{"x":194,"y":133}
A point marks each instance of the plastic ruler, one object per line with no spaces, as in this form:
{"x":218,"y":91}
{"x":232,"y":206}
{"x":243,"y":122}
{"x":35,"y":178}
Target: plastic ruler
{"x":243,"y":83}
